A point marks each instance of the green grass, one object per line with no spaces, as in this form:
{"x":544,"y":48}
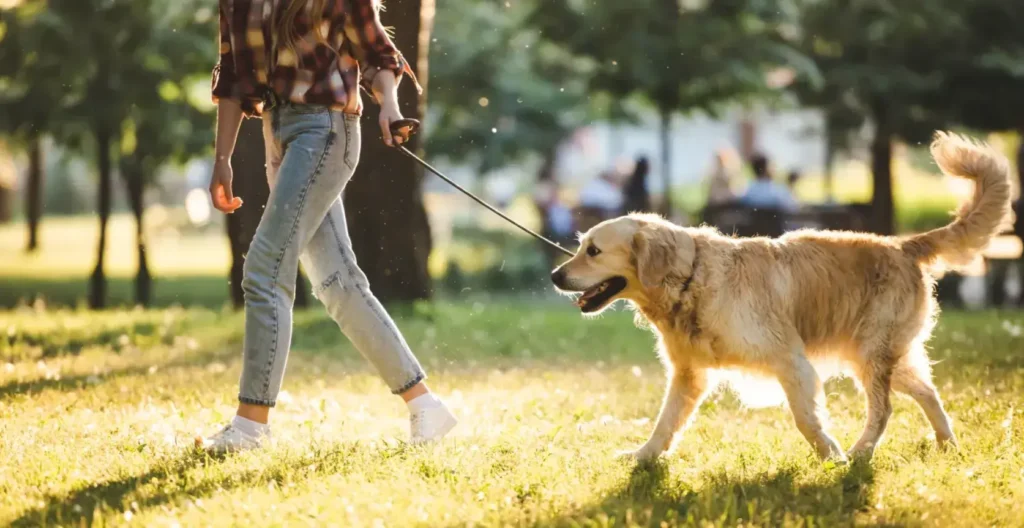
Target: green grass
{"x":97,"y":411}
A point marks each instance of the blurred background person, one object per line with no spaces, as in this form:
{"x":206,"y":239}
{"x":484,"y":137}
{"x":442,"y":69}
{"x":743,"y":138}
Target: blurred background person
{"x":765,"y":193}
{"x":721,"y":179}
{"x":636,"y":197}
{"x":792,"y":179}
{"x":604,"y":194}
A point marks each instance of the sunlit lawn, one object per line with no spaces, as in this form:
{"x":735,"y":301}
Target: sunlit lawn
{"x":97,"y":412}
{"x":189,"y":266}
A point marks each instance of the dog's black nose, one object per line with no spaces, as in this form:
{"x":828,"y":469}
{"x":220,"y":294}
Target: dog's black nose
{"x":558,"y":276}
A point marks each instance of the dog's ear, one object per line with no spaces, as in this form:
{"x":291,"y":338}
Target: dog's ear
{"x":660,"y":252}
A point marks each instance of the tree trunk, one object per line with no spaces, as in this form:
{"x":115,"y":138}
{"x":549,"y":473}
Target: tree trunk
{"x":98,"y":280}
{"x":1020,"y":165}
{"x":882,"y":204}
{"x":6,"y":205}
{"x":1019,"y":224}
{"x":384,"y":202}
{"x":133,"y":175}
{"x":250,"y":184}
{"x":34,"y":192}
{"x":666,"y":161}
{"x":748,"y":136}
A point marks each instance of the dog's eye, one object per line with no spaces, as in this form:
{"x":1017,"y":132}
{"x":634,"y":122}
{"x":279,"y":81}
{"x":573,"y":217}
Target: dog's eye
{"x":592,"y":251}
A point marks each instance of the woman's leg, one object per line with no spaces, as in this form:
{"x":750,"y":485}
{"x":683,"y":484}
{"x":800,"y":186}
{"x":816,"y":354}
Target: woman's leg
{"x":301,"y":144}
{"x":344,"y":290}
{"x":274,"y":156}
{"x":306,"y":147}
{"x":338,"y":282}
{"x":310,"y":158}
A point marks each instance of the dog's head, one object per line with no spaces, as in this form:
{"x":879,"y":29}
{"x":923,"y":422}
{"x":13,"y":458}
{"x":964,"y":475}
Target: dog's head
{"x":626,"y":258}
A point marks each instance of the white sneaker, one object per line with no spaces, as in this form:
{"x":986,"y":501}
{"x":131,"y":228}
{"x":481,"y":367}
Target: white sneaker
{"x":430,"y":425}
{"x":230,"y":439}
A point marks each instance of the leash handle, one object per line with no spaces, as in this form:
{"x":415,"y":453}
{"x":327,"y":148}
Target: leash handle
{"x":413,"y":125}
{"x":397,"y":128}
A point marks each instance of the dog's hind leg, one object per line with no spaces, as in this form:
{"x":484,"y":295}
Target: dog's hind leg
{"x":686,"y":390}
{"x":806,"y":400}
{"x":912,"y":377}
{"x":876,"y":378}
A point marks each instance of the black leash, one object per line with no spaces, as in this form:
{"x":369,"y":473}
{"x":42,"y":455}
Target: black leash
{"x":413,"y":125}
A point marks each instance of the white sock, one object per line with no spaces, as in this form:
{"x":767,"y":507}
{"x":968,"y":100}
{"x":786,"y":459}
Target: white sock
{"x":423,"y":402}
{"x":250,"y":427}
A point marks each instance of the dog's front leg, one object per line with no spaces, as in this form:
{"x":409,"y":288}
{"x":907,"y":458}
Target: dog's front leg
{"x":807,"y":401}
{"x":686,"y":390}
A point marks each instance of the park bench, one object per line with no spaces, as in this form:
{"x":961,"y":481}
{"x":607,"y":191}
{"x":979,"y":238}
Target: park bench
{"x":743,"y":221}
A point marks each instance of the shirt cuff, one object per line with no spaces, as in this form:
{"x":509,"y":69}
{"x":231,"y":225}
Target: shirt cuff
{"x":225,"y":86}
{"x":396,"y":64}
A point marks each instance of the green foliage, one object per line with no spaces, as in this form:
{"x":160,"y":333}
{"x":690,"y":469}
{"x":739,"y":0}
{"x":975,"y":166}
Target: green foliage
{"x":498,"y":90}
{"x":71,"y":68}
{"x":938,"y":65}
{"x":680,"y":56}
{"x":983,"y":64}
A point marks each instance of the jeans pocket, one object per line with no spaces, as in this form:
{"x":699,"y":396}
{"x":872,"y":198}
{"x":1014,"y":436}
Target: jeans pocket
{"x":352,"y":140}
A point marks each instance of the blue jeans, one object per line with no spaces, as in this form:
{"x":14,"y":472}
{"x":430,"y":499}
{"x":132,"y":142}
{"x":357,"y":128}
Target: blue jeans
{"x":311,"y":154}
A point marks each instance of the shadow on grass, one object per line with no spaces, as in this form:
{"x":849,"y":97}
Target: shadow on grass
{"x":65,"y":383}
{"x":80,"y":506}
{"x":60,"y":342}
{"x":83,"y":381}
{"x":767,"y":498}
{"x":171,"y":482}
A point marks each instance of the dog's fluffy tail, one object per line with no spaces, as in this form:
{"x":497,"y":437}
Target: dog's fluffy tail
{"x":979,"y":219}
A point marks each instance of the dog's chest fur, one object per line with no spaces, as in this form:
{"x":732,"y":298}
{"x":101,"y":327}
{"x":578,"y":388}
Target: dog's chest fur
{"x":684,"y":338}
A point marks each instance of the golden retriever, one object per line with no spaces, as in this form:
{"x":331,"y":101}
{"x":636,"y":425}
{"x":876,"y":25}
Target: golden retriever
{"x":777,"y":307}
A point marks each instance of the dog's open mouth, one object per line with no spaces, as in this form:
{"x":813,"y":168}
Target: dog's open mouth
{"x":595,"y":297}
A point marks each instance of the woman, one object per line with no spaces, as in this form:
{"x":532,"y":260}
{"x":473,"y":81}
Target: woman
{"x":305,"y":86}
{"x":637,"y":198}
{"x":721,"y":178}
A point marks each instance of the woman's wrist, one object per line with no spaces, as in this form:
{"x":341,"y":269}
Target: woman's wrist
{"x":385,"y":87}
{"x":389,"y":101}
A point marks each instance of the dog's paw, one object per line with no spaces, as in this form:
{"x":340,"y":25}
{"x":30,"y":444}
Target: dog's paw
{"x":640,"y":455}
{"x":947,"y":445}
{"x":862,"y":455}
{"x":861,"y":452}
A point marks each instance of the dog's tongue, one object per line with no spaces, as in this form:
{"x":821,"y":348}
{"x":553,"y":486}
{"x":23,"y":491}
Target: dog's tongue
{"x":581,"y":301}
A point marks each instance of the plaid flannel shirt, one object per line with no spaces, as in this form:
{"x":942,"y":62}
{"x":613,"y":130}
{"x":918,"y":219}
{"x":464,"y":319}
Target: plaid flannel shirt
{"x":312,"y":73}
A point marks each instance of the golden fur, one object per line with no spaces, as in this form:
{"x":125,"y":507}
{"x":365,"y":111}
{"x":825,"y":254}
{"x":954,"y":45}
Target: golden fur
{"x":772,"y":307}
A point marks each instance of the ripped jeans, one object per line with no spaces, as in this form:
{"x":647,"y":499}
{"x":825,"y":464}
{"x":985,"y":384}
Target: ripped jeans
{"x":312,"y":152}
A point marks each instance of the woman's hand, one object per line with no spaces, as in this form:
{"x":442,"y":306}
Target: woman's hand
{"x":389,"y":113}
{"x":385,"y":91}
{"x":224,"y":199}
